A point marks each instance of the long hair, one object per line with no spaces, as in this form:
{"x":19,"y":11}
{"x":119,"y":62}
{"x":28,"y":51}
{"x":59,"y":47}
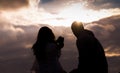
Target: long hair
{"x":45,"y":35}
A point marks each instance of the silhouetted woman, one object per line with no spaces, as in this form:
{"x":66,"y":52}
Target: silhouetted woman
{"x":47,"y":51}
{"x":91,"y":53}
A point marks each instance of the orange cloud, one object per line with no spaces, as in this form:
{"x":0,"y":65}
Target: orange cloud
{"x":13,"y":4}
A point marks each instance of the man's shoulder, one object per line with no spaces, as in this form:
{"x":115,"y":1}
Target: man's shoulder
{"x":85,"y":36}
{"x":89,"y":32}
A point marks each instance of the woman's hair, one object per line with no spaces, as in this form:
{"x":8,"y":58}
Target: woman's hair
{"x":45,"y":35}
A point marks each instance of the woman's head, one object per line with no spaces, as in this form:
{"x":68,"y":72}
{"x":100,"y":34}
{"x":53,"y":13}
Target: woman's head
{"x":45,"y":34}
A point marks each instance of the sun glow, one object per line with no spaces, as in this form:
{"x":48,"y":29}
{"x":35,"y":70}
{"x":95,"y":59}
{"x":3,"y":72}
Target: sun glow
{"x":72,"y":12}
{"x":79,"y":13}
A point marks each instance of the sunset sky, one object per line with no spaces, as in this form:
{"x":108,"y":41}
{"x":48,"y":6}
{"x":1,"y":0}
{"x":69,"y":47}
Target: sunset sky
{"x":20,"y":21}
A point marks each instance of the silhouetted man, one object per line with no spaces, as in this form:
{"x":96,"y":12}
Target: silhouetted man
{"x":91,"y":54}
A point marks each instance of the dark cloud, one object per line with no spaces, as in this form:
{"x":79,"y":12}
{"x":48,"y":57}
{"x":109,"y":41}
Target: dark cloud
{"x":13,"y":4}
{"x":104,"y":4}
{"x":46,"y":1}
{"x":16,"y":36}
{"x":15,"y":47}
{"x":107,"y":30}
{"x":93,"y":4}
{"x":113,"y":64}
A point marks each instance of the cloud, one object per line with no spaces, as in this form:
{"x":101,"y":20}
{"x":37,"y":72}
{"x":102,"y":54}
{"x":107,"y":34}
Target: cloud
{"x":46,"y":1}
{"x":103,"y":4}
{"x":16,"y":38}
{"x":54,"y":6}
{"x":13,"y":4}
{"x":107,"y":30}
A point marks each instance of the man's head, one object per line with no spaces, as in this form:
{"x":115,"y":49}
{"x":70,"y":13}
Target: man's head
{"x":77,"y":27}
